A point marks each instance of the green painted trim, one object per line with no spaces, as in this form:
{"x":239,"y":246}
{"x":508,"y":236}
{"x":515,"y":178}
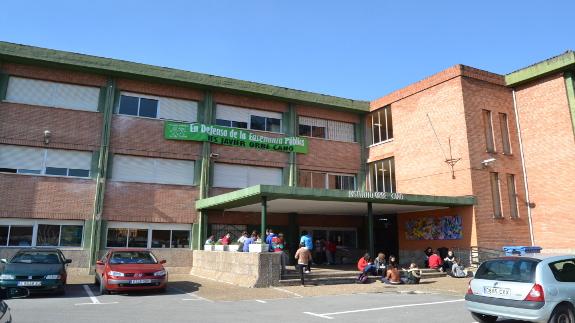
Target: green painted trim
{"x":196,"y":245}
{"x":3,"y":85}
{"x":95,"y":240}
{"x":360,"y":138}
{"x":569,"y":86}
{"x":114,"y":67}
{"x":253,"y":194}
{"x":546,"y":67}
{"x":207,"y":116}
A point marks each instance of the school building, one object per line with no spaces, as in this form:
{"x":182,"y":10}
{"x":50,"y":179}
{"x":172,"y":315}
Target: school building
{"x":97,"y":153}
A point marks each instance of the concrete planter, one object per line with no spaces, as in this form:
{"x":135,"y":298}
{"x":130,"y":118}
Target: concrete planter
{"x":209,"y":247}
{"x":220,"y":247}
{"x":234,"y":247}
{"x":256,"y":247}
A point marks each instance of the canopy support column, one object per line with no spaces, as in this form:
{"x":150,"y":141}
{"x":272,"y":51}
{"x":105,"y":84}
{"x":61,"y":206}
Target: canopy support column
{"x":263,"y":220}
{"x":371,"y":241}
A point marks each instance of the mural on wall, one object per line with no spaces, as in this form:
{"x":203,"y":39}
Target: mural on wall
{"x":434,"y":228}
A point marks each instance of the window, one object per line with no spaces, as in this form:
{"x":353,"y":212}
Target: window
{"x":488,"y":128}
{"x":236,"y":117}
{"x":326,"y":129}
{"x":504,"y":124}
{"x":52,"y":94}
{"x":521,"y":270}
{"x":326,"y":180}
{"x":147,"y":235}
{"x":29,"y":233}
{"x":157,"y":107}
{"x":382,"y":175}
{"x":511,"y":191}
{"x":152,"y":170}
{"x":564,"y":270}
{"x":381,"y":125}
{"x":241,"y":176}
{"x":56,"y":162}
{"x":495,"y":195}
{"x":345,"y":237}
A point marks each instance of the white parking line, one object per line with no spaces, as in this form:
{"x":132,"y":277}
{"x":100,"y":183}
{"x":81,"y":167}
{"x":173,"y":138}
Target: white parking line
{"x":329,"y":315}
{"x":260,"y":301}
{"x":288,"y":291}
{"x":196,"y":297}
{"x":93,"y":298}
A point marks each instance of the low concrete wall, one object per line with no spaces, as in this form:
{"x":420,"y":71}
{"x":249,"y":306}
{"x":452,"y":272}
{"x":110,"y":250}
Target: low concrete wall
{"x":246,"y":269}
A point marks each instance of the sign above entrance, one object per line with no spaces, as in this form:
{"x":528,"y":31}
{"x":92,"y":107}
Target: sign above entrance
{"x":233,"y":137}
{"x":375,"y":195}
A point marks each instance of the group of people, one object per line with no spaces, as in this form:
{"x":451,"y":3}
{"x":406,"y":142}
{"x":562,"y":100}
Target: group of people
{"x":449,"y":264}
{"x":388,"y":269}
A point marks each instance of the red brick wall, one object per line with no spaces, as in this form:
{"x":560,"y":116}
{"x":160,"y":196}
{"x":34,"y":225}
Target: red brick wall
{"x":43,"y":197}
{"x":56,"y":75}
{"x":330,"y":156}
{"x":25,"y":125}
{"x":142,"y":202}
{"x":491,"y":232}
{"x":145,"y":137}
{"x":158,"y":89}
{"x":419,"y":162}
{"x":326,"y":113}
{"x":547,"y":135}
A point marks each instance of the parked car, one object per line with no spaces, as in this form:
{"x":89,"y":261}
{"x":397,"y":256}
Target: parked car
{"x":533,"y":287}
{"x":37,"y":269}
{"x":6,"y":293}
{"x":130,"y":269}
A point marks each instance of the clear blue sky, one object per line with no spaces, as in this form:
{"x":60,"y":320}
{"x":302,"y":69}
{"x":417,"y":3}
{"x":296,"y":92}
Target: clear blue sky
{"x":354,"y":49}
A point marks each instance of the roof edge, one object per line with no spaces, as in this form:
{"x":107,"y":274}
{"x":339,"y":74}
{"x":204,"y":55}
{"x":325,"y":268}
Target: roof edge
{"x":551,"y":65}
{"x":109,"y":66}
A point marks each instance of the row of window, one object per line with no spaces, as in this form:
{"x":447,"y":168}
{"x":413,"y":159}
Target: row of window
{"x":495,"y":180}
{"x":324,"y":180}
{"x":58,"y":162}
{"x":41,"y":234}
{"x":489,"y":136}
{"x":86,"y":98}
{"x":147,"y":235}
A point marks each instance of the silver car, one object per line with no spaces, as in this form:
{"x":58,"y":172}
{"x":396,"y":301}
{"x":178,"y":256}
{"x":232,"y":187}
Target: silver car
{"x":533,"y":287}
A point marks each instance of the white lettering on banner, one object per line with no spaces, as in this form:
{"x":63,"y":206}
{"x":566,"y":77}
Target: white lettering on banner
{"x":375,"y":195}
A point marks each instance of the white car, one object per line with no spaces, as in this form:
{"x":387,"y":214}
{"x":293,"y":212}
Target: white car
{"x":533,"y":287}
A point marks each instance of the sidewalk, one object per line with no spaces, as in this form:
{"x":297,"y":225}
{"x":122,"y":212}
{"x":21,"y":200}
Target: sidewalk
{"x":218,"y":291}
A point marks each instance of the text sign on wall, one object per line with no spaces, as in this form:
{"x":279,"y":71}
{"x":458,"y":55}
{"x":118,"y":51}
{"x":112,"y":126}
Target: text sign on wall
{"x":232,"y":137}
{"x":375,"y":195}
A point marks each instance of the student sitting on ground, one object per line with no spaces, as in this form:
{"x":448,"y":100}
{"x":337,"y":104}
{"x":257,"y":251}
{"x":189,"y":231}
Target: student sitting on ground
{"x":365,"y":265}
{"x":392,"y":277}
{"x":435,"y":261}
{"x":448,"y":261}
{"x":413,"y":274}
{"x":457,"y":270}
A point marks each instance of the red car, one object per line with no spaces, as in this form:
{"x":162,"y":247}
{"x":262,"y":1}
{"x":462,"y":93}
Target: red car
{"x":123,"y":270}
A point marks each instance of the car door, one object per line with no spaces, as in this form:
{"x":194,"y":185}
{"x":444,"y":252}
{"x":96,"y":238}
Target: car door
{"x":564,"y":274}
{"x":100,"y":268}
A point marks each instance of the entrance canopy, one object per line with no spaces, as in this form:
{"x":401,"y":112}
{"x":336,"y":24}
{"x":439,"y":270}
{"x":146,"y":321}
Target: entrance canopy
{"x":288,"y":199}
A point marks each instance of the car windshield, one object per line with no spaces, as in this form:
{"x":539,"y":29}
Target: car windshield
{"x":132,"y":257}
{"x":36,"y":257}
{"x":515,"y":270}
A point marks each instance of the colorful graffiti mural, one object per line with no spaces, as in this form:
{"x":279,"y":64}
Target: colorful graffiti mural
{"x":434,"y":228}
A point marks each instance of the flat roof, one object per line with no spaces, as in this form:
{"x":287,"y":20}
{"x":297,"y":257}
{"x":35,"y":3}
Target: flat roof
{"x":288,"y":199}
{"x":50,"y":57}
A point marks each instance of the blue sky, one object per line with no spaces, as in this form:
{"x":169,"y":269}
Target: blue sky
{"x":354,"y":49}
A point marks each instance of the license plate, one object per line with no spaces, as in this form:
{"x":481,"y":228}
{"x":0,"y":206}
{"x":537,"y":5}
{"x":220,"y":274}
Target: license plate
{"x":496,"y":291}
{"x":140,"y":281}
{"x":29,"y":283}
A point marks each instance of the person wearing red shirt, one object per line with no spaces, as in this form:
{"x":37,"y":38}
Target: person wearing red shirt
{"x":330,"y":249}
{"x":226,"y":239}
{"x":435,"y":261}
{"x":365,"y":265}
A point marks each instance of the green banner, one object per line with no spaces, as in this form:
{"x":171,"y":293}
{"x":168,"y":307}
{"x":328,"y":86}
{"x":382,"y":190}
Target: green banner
{"x":232,"y":137}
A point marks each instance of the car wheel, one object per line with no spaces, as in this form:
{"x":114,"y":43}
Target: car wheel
{"x":103,"y":289}
{"x":483,"y":318}
{"x":562,"y":314}
{"x":96,"y":281}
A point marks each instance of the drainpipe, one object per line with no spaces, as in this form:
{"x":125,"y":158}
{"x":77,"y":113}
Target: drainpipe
{"x":524,"y":170}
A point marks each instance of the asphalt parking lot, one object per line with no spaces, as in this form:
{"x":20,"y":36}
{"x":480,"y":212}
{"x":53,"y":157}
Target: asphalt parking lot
{"x":194,"y":301}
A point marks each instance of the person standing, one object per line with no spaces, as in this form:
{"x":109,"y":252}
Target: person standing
{"x":270,"y":235}
{"x":226,"y":239}
{"x":330,"y":249}
{"x":303,"y":256}
{"x":278,"y":245}
{"x":308,"y":243}
{"x":241,"y":240}
{"x":248,"y":241}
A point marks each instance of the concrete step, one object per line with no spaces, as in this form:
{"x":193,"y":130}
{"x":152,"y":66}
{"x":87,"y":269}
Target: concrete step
{"x":333,"y":277}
